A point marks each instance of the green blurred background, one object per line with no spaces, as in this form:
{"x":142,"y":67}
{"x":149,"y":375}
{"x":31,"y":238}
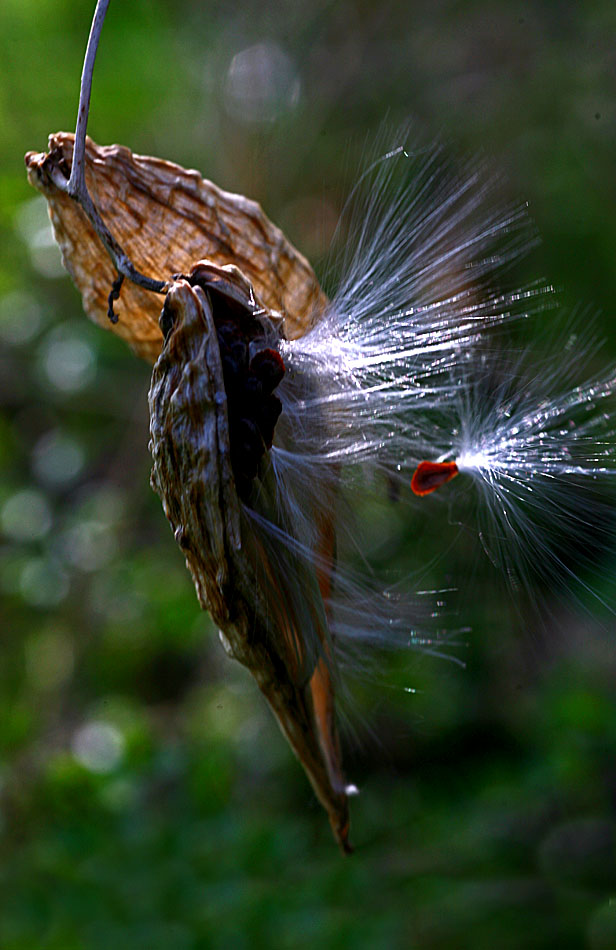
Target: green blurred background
{"x":148,"y":799}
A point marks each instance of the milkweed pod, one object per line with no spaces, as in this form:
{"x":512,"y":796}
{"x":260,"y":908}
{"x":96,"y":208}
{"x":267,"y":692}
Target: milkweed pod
{"x":272,"y":614}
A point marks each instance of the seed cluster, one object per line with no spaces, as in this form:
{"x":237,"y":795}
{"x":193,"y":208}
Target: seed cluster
{"x":252,"y":407}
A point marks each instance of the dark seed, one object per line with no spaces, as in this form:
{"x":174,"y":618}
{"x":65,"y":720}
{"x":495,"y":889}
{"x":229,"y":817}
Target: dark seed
{"x":266,"y":417}
{"x":228,"y":334}
{"x":269,"y":367}
{"x":246,"y":443}
{"x":231,"y":370}
{"x":252,"y":390}
{"x":239,"y":352}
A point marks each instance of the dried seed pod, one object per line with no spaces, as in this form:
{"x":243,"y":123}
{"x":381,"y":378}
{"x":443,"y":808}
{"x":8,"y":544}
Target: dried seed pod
{"x":166,"y":217}
{"x":213,"y":412}
{"x":262,"y":612}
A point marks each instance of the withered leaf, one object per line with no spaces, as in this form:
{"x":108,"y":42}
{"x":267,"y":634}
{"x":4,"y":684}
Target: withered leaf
{"x":166,"y":218}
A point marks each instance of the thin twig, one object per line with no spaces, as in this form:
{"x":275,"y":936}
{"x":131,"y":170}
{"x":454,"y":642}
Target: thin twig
{"x":77,"y":182}
{"x":76,"y":185}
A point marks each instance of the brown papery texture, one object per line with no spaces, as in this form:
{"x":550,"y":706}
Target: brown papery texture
{"x":165,"y":218}
{"x":232,"y":570}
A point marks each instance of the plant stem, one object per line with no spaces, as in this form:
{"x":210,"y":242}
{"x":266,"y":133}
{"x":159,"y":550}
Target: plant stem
{"x":76,"y":186}
{"x":77,"y":182}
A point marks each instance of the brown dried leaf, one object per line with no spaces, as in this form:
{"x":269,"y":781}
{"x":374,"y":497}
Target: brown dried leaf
{"x":166,"y":217}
